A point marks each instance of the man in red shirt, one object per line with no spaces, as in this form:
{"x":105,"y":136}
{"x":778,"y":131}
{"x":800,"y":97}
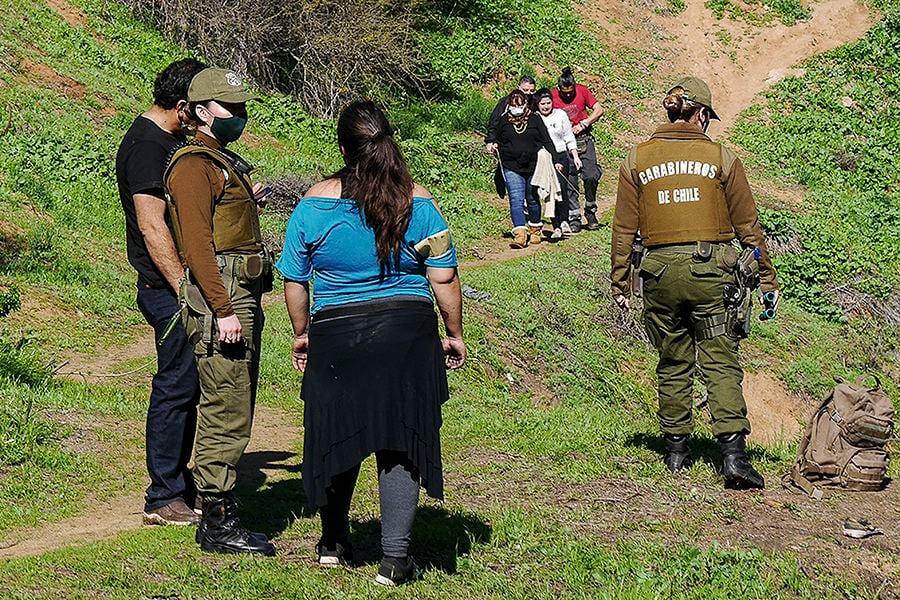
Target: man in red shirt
{"x":575,"y":100}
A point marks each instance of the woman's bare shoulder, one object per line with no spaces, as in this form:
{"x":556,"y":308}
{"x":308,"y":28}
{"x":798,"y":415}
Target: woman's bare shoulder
{"x":420,"y":191}
{"x":329,"y":188}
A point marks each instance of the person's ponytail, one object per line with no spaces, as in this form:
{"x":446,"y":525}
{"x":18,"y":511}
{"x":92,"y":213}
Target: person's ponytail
{"x":566,"y":79}
{"x":376,"y":176}
{"x":679,"y":108}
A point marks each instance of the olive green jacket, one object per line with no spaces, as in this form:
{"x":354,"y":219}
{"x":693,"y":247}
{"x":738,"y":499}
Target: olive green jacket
{"x":681,"y":187}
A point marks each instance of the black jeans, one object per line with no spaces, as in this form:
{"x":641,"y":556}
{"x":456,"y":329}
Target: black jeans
{"x":590,"y":175}
{"x":172,"y":415}
{"x":561,"y":212}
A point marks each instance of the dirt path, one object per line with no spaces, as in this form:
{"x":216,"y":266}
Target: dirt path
{"x":739,"y":61}
{"x":614,"y":509}
{"x":274,"y":434}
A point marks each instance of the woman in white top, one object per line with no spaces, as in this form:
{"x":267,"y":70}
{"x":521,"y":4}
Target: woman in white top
{"x":560,"y":129}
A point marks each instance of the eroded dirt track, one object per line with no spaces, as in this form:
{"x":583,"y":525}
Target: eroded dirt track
{"x":273,"y":430}
{"x":756,"y":58}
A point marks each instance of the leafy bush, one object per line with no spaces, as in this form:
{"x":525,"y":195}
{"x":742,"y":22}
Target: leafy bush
{"x":323,"y":52}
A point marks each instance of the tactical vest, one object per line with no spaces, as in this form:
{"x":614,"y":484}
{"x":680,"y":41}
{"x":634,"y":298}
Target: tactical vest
{"x":681,"y":192}
{"x":235,"y":224}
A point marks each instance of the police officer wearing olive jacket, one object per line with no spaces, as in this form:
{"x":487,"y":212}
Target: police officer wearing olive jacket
{"x":216,"y":224}
{"x":688,"y":199}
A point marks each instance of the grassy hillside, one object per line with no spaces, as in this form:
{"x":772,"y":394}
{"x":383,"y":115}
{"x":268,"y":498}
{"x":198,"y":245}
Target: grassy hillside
{"x":836,"y":130}
{"x":554,"y":483}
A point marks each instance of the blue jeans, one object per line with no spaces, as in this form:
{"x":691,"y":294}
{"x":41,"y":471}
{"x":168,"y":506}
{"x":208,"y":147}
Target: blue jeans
{"x":172,"y":415}
{"x":521,"y":194}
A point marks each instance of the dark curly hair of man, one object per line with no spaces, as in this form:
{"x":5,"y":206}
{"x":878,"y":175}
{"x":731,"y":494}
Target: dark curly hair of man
{"x":172,"y":83}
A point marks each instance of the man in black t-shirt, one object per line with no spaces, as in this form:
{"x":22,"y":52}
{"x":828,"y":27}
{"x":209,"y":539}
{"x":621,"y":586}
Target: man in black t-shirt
{"x":172,"y":414}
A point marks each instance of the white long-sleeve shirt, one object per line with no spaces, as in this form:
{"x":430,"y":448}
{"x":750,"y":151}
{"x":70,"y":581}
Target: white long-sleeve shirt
{"x":560,"y":129}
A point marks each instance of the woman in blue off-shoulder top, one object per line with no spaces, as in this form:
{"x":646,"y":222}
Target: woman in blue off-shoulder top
{"x":378,"y":254}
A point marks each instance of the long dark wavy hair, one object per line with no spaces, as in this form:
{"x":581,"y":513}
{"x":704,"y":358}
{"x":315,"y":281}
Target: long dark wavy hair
{"x":376,"y":176}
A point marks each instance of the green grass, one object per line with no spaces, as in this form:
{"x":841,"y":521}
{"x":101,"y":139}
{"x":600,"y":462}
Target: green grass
{"x":38,"y":480}
{"x":472,"y":41}
{"x":847,"y":157}
{"x":62,"y":231}
{"x":521,"y":457}
{"x":538,"y":561}
{"x":788,"y":12}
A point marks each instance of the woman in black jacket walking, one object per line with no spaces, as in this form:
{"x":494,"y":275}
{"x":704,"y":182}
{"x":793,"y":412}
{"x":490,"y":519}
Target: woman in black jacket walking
{"x":520,"y":135}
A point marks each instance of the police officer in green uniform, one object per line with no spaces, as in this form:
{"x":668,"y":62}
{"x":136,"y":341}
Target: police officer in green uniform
{"x":688,"y":200}
{"x":214,"y":213}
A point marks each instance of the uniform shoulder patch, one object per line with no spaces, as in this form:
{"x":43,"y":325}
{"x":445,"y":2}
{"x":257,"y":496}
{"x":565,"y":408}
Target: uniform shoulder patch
{"x":435,"y":246}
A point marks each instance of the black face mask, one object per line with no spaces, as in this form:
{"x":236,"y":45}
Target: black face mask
{"x":704,"y":119}
{"x":567,"y":96}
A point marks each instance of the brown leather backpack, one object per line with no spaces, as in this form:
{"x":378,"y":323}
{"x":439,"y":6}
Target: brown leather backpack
{"x":844,"y":443}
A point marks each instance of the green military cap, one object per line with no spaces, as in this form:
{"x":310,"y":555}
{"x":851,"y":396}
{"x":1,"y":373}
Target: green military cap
{"x":218,"y":84}
{"x":695,"y":89}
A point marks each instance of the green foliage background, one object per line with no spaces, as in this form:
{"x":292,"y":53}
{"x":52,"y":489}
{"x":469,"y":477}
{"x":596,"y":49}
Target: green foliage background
{"x":836,"y":130}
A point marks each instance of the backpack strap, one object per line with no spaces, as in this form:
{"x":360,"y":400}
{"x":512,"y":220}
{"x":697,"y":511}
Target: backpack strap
{"x":795,"y":482}
{"x":861,"y":382}
{"x":810,"y":427}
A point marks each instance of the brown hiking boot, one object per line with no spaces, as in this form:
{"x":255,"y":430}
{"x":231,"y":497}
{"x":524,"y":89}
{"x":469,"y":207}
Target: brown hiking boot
{"x":535,"y":234}
{"x":520,"y":238}
{"x":174,"y":513}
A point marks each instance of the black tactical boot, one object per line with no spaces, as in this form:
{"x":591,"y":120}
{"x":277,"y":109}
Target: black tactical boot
{"x":220,"y":530}
{"x":678,"y":453}
{"x":739,"y":474}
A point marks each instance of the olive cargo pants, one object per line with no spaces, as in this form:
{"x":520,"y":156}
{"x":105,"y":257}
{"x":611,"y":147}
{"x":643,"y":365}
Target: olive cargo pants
{"x":681,"y":293}
{"x":229,"y":374}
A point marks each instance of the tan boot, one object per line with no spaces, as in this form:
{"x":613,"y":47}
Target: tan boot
{"x":535,"y":234}
{"x":520,"y":237}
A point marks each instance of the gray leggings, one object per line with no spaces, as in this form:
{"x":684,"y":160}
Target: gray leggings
{"x":398,"y":494}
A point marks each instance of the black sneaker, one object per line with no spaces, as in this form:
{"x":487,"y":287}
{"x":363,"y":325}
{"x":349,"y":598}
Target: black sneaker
{"x":592,"y":223}
{"x":397,"y":571}
{"x":336,"y":554}
{"x":575,"y":226}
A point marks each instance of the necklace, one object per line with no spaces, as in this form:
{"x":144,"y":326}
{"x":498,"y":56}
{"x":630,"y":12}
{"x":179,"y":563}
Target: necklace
{"x":519,"y":127}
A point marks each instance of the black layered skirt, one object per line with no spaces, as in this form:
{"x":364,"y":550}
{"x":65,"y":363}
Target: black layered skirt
{"x":375,"y":380}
